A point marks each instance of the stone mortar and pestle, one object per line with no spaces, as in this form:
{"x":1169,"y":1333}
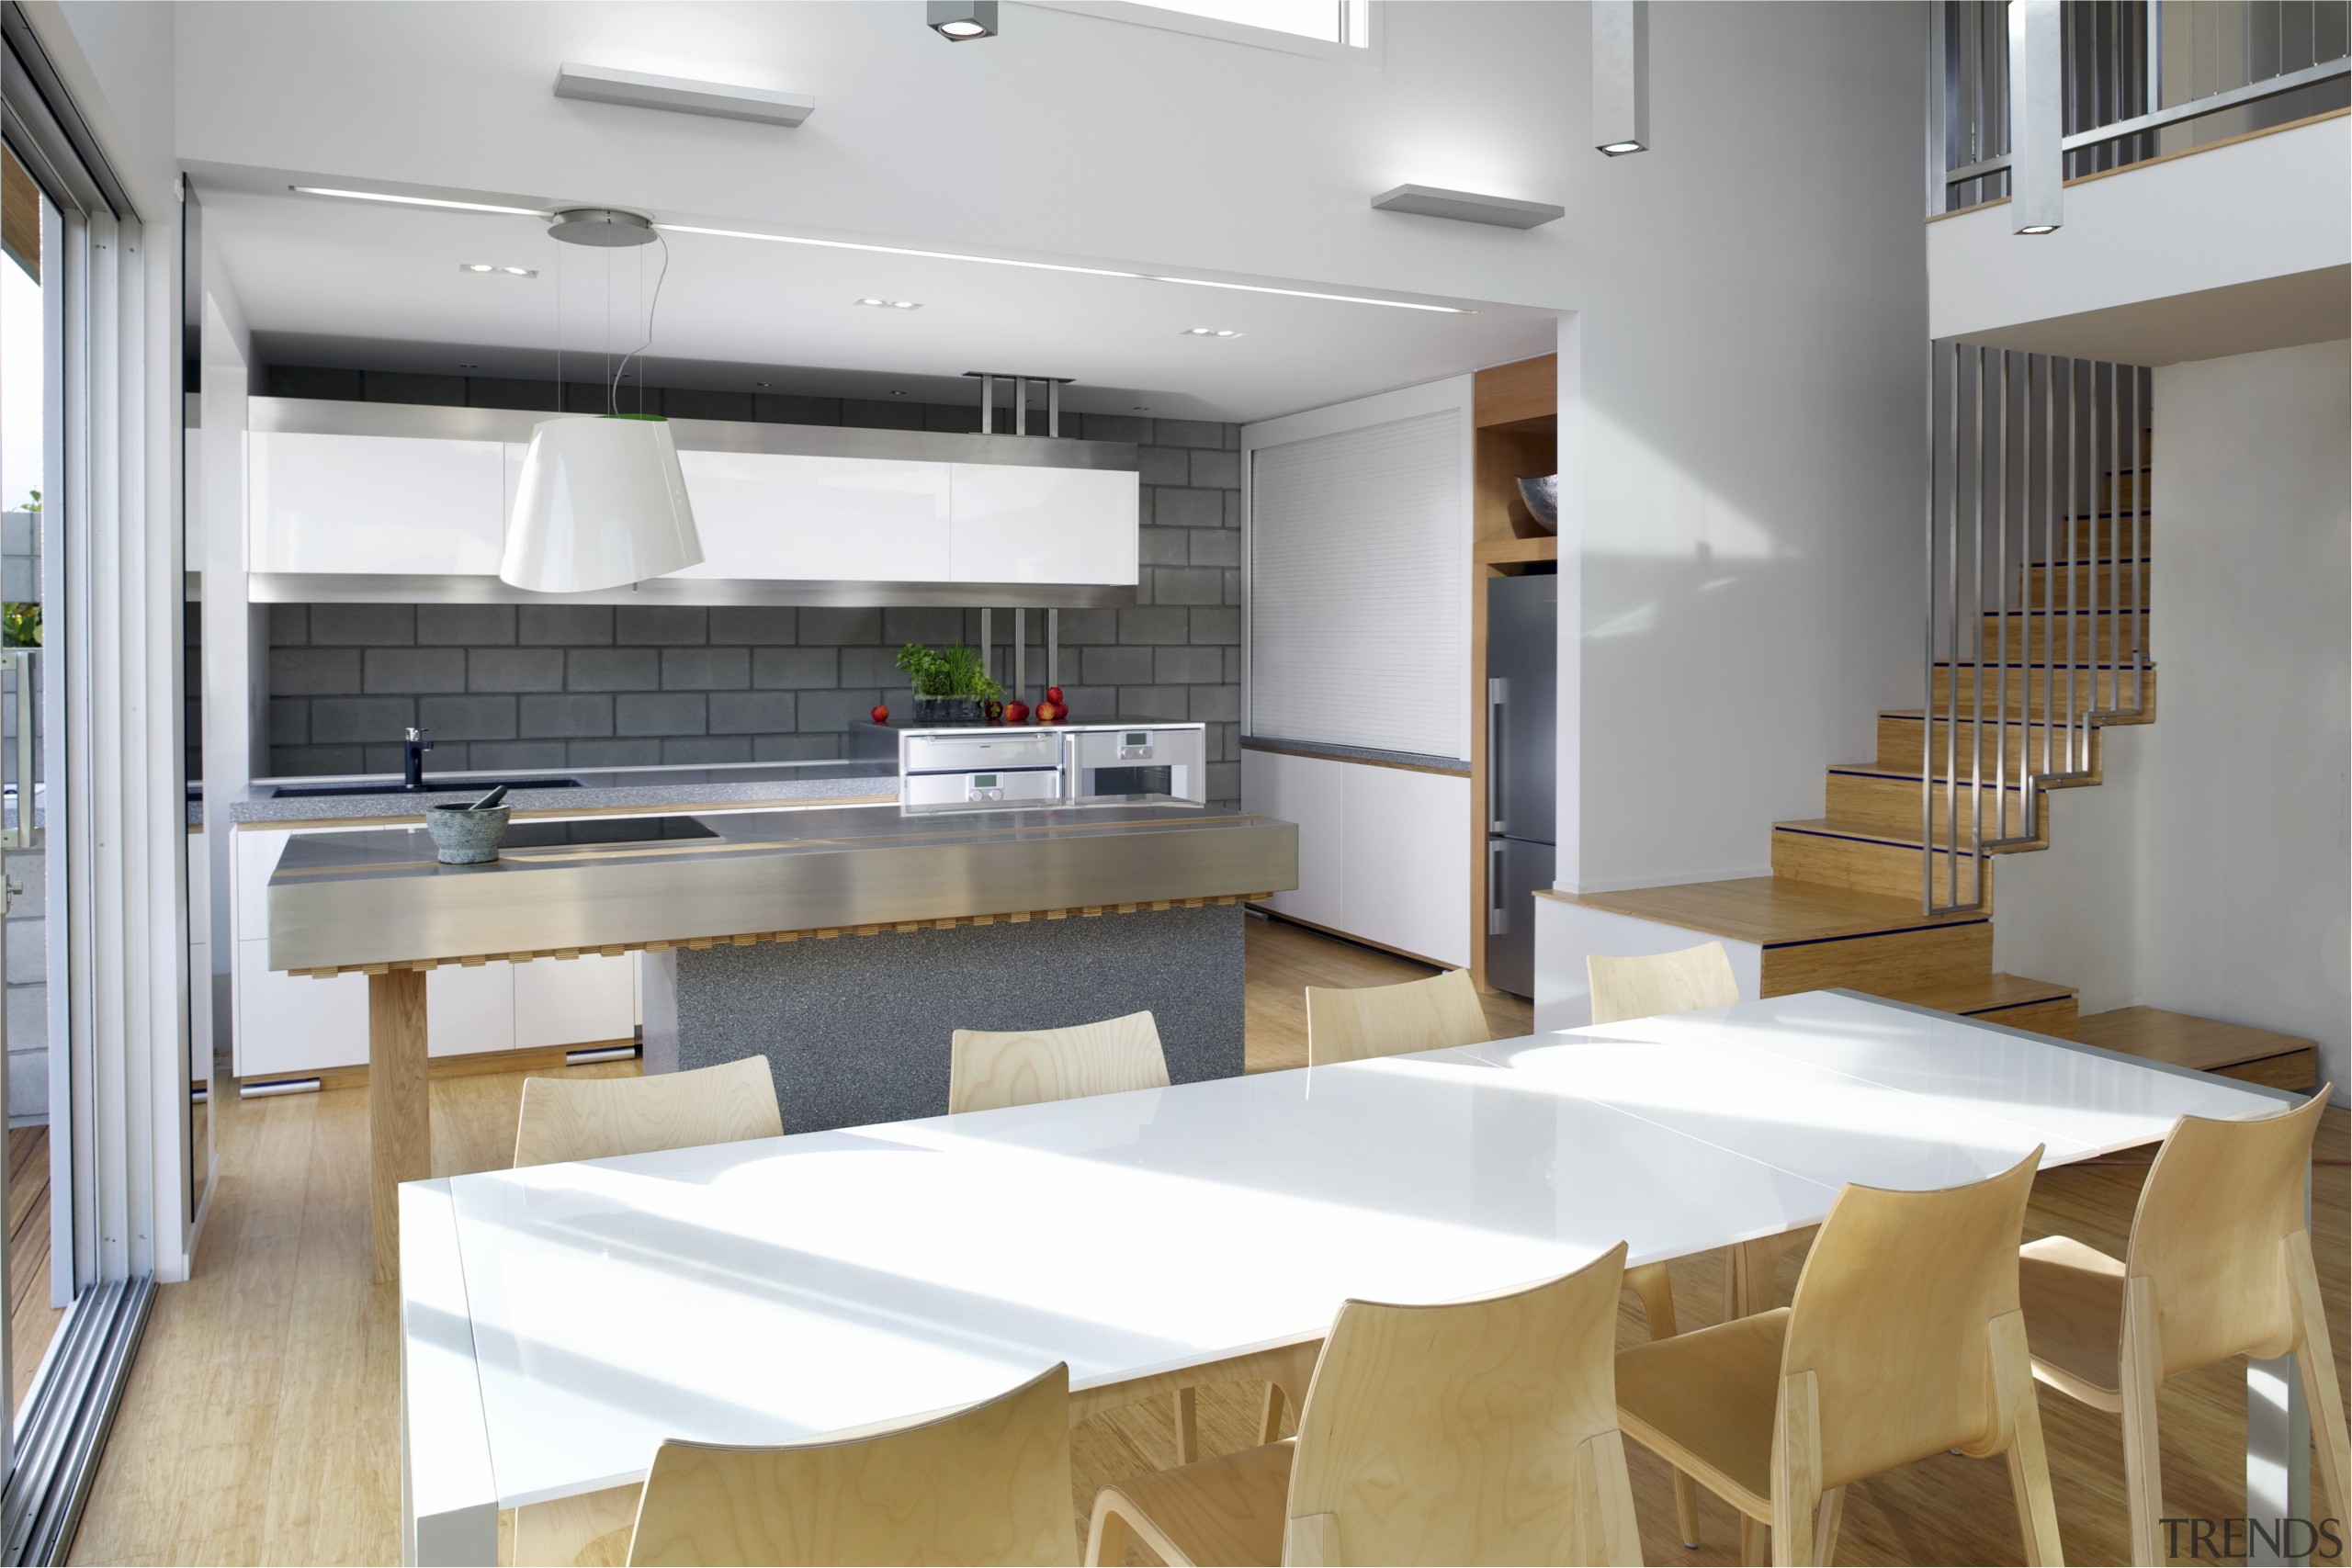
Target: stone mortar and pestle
{"x":469,"y":834}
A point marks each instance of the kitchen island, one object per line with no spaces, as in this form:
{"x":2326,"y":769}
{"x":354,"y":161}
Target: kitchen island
{"x":844,"y":943}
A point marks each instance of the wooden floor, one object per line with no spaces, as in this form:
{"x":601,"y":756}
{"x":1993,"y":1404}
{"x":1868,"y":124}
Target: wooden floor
{"x":261,"y":1422}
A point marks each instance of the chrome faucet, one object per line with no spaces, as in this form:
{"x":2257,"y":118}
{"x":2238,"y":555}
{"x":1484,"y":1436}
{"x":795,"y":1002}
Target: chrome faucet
{"x":412,"y":767}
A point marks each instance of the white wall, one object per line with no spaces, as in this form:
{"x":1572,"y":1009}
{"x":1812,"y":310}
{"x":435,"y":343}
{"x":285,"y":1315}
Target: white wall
{"x":1751,"y":292}
{"x":2224,"y":837}
{"x":2248,"y":831}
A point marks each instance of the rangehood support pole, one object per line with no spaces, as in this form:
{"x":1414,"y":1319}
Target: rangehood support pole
{"x":1053,"y":647}
{"x":985,"y":614}
{"x":987,"y":404}
{"x":1020,"y":652}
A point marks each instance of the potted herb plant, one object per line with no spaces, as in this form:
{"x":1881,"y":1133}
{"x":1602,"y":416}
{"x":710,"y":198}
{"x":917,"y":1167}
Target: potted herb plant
{"x":951,"y":684}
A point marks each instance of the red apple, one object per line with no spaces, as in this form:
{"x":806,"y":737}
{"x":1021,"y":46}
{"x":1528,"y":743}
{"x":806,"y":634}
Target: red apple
{"x":1016,"y":713}
{"x":1053,"y":696}
{"x":881,"y":713}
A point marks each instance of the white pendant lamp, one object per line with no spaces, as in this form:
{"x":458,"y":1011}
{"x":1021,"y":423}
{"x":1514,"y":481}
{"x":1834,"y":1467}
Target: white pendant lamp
{"x":602,"y":502}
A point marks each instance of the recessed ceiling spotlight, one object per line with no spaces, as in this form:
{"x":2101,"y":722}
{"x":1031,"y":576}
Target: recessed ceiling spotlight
{"x":960,"y":21}
{"x":1208,"y":331}
{"x":896,"y":393}
{"x":764,"y":383}
{"x":469,"y":366}
{"x":507,"y":271}
{"x":892,"y":304}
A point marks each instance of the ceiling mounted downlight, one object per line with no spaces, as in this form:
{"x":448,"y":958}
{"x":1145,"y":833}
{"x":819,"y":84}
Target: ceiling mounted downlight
{"x":602,"y":502}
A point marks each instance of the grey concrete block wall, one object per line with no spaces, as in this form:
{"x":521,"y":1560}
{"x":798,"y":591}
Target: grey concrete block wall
{"x":544,"y":687}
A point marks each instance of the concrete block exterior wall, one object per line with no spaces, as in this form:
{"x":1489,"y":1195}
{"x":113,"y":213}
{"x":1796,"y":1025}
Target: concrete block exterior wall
{"x":555,"y":686}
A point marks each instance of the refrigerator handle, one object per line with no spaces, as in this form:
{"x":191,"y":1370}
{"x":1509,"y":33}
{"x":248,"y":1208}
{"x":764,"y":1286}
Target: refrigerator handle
{"x":1497,"y":912}
{"x":1497,"y":689}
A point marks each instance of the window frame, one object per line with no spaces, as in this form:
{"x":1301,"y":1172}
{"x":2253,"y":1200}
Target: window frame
{"x":1370,"y":52}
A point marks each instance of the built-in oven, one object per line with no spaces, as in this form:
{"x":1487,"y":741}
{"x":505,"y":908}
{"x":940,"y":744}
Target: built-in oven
{"x":1142,"y":759}
{"x":985,"y":767}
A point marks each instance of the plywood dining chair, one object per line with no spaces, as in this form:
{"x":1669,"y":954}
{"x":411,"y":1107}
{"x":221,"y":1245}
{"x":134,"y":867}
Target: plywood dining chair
{"x":987,"y":1070}
{"x":1644,"y":987}
{"x":1906,"y":1340}
{"x":2219,"y":1264}
{"x":1348,"y":1025}
{"x":1647,"y":986}
{"x":990,"y":1070}
{"x":568,"y":1119}
{"x":1652,"y":983}
{"x":1478,"y":1431}
{"x":988,"y":1485}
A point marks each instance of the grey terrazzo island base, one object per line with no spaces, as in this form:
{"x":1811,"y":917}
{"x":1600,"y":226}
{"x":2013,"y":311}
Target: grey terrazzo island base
{"x":846,"y":943}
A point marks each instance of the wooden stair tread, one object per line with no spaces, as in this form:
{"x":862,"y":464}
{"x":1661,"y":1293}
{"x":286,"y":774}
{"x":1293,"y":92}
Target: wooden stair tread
{"x":2182,"y":1040}
{"x":1879,"y":833}
{"x":1984,"y":995}
{"x":1766,"y":911}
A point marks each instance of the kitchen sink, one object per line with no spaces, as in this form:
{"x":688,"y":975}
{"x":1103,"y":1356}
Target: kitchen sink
{"x":432,"y":787}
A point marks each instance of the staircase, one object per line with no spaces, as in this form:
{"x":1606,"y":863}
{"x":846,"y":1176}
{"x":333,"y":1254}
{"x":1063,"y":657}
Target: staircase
{"x":1843,"y":906}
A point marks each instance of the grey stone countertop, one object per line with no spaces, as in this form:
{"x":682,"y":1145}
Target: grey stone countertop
{"x":672,"y":789}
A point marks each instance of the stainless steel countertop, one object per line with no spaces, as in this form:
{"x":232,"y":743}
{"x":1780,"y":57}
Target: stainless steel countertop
{"x":379,"y":897}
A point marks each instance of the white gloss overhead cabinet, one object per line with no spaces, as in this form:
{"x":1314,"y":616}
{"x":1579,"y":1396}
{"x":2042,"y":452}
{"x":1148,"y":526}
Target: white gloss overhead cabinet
{"x":374,"y":505}
{"x":347,"y":497}
{"x":776,"y":515}
{"x":1016,"y":523}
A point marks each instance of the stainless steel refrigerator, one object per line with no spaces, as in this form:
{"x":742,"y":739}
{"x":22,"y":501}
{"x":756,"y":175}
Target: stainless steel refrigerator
{"x":1523,"y":698}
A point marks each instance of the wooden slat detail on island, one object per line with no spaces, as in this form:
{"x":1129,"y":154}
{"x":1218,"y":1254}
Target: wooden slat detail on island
{"x":753,"y":939}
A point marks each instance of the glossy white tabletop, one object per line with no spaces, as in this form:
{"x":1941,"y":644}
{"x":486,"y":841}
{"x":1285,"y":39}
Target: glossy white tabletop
{"x":759,"y":1292}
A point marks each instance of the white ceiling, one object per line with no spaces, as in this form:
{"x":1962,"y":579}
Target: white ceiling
{"x":351,"y":283}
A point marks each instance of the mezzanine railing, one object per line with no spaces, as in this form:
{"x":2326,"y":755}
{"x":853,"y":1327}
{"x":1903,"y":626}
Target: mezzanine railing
{"x":2135,"y":79}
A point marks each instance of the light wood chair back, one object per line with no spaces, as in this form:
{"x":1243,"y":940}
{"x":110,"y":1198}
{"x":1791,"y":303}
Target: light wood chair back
{"x":988,"y":1070}
{"x":1893,"y":1318}
{"x":2219,"y":1201}
{"x":990,"y":1483}
{"x":1348,"y":1025}
{"x":567,"y":1119}
{"x":1654,"y":983}
{"x":1480,"y":1431}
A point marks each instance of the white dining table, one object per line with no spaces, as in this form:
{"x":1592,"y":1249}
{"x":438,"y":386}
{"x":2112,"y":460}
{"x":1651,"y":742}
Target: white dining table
{"x":559,"y":1322}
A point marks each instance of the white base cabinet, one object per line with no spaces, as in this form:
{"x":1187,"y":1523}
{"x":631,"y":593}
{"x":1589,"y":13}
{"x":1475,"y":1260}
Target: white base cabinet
{"x":1384,"y":853}
{"x":290,"y":1026}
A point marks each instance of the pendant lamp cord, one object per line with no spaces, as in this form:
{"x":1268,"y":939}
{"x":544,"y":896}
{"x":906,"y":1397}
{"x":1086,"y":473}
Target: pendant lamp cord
{"x":613,"y":396}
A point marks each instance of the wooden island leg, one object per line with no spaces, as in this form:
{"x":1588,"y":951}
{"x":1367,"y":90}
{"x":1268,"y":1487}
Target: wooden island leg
{"x":400,"y":1128}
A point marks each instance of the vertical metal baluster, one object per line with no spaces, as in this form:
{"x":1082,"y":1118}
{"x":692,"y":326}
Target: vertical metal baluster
{"x":2144,"y":391}
{"x":1951,"y":728}
{"x":2103,"y":377}
{"x":1928,"y":666}
{"x":2073,"y":385}
{"x":2001,"y":608}
{"x":1977,"y":645}
{"x":1974,"y":624}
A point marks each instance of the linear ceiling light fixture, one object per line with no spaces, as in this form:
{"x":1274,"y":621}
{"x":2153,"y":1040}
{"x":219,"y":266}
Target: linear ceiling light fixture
{"x":1059,"y":266}
{"x":505,"y":271}
{"x":961,"y":21}
{"x":1468,"y":207}
{"x":1208,"y":331}
{"x":637,"y":89}
{"x":1621,"y":76}
{"x":417,"y":202}
{"x":890,"y":304}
